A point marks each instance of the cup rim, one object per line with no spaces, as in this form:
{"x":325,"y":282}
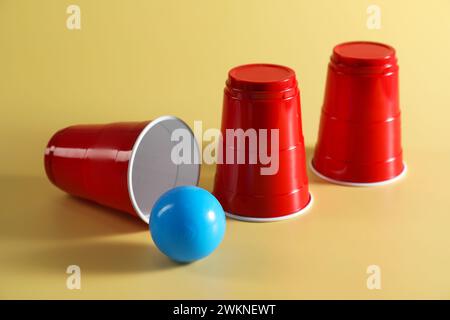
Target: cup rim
{"x":131,"y":192}
{"x":359,"y":184}
{"x":302,"y":211}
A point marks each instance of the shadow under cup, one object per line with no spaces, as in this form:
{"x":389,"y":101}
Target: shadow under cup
{"x":126,"y":166}
{"x":359,"y":141}
{"x":258,"y":98}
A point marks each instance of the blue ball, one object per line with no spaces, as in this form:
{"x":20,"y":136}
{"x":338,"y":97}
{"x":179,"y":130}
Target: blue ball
{"x":187,"y":223}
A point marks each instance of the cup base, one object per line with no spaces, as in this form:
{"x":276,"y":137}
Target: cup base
{"x":359,"y":184}
{"x":288,"y":216}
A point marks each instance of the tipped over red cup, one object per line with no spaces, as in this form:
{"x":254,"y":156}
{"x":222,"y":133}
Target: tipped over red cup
{"x":262,"y":103}
{"x":359,"y":141}
{"x":125,"y":166}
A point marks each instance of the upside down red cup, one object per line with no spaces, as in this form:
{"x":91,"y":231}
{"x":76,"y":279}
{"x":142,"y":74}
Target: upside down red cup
{"x":125,"y":166}
{"x":359,"y":141}
{"x":262,"y":103}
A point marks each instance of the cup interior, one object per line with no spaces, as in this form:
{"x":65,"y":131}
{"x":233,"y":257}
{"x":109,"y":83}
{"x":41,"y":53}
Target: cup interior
{"x":159,"y":162}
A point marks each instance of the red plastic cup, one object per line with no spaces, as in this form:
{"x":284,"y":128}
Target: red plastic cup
{"x":359,"y":140}
{"x":125,"y":166}
{"x":262,"y":96}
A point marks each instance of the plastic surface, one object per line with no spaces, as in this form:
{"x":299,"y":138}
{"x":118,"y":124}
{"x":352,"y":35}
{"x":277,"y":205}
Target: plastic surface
{"x":261,"y":96}
{"x":126,"y":166}
{"x":359,"y":138}
{"x":187,"y":223}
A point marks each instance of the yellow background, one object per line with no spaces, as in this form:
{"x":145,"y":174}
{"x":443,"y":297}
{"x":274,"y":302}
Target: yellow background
{"x":135,"y":60}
